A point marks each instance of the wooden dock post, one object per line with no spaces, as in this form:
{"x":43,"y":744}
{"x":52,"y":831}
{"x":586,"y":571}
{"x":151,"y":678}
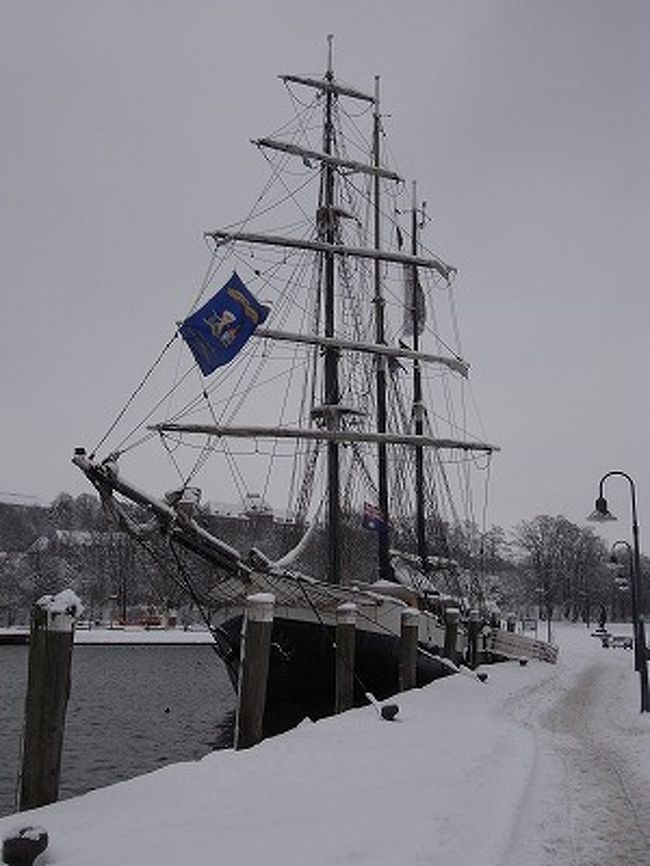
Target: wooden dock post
{"x":452,"y":616}
{"x":48,"y":687}
{"x":408,"y":650}
{"x":473,"y":628}
{"x":346,"y":622}
{"x":253,"y":669}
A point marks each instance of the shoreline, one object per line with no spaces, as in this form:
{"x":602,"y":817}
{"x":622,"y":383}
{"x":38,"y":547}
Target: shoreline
{"x":120,"y":636}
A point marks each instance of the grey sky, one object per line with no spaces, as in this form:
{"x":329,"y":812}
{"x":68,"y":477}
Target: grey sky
{"x":125,"y":129}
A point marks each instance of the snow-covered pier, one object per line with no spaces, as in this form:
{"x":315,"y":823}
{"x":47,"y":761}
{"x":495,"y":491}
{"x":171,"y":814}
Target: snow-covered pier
{"x":120,"y":635}
{"x":543,"y":764}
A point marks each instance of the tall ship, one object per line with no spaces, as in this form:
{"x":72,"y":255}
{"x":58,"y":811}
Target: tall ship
{"x":317,"y":379}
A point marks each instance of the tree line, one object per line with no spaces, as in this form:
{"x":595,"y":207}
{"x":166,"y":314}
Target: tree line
{"x":547,"y":566}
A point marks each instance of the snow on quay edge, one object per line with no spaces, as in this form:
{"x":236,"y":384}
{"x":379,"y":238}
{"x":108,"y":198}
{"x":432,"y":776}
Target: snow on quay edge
{"x":541,"y":765}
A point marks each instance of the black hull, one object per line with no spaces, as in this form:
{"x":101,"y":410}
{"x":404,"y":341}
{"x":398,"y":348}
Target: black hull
{"x":302,"y":670}
{"x":14,"y":639}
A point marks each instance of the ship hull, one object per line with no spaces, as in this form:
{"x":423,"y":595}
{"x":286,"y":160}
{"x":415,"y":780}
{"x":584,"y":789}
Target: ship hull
{"x":302,"y":669}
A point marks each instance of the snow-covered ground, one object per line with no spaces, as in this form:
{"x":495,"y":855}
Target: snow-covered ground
{"x":139,"y":635}
{"x":129,"y":635}
{"x":540,"y":765}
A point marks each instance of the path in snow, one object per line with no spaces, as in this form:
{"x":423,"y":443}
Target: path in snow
{"x":544,"y":765}
{"x":586,"y":801}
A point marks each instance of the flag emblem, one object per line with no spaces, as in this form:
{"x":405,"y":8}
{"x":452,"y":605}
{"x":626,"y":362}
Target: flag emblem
{"x":220,"y":329}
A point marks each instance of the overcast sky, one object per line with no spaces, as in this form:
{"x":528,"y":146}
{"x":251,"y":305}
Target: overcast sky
{"x":125,"y":129}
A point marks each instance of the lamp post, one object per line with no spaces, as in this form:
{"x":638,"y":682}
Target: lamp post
{"x":601,"y":514}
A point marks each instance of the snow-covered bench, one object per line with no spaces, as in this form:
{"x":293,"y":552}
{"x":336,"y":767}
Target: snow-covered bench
{"x":617,"y":640}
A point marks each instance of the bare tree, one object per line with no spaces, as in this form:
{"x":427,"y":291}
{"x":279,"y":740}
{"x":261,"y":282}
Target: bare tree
{"x":563,"y":566}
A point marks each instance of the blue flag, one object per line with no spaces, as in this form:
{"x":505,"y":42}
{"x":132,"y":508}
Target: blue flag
{"x":217,"y":331}
{"x":373,"y":518}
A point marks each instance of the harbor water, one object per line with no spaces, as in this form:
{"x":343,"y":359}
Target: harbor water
{"x":132,"y":709}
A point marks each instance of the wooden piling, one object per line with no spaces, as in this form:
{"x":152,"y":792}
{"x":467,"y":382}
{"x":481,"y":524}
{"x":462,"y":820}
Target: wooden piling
{"x":473,"y":628}
{"x":408,"y":651}
{"x":346,"y":622}
{"x":253,"y":669}
{"x":48,"y":688}
{"x":452,"y":616}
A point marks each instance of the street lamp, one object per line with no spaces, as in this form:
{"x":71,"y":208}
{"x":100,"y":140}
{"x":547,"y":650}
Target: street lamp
{"x":601,"y":514}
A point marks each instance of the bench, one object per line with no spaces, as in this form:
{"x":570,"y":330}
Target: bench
{"x":617,"y":640}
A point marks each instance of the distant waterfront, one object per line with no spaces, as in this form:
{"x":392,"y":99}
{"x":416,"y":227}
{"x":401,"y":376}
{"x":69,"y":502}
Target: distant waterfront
{"x":132,"y":709}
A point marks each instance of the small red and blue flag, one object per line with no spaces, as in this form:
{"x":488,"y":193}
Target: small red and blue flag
{"x":373,"y":517}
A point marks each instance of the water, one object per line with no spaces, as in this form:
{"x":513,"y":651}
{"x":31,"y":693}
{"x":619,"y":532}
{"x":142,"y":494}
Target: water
{"x":132,"y":709}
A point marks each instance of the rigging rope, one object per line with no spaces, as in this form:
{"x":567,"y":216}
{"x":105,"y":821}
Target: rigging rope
{"x":135,"y":393}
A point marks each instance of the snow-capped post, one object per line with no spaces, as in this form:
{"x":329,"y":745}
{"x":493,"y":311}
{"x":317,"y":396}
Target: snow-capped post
{"x":48,"y":687}
{"x":253,"y":669}
{"x":473,"y":629}
{"x":408,"y":650}
{"x":452,"y":616}
{"x":346,"y":622}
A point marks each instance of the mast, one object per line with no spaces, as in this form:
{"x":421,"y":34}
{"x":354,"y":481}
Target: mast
{"x":418,"y":405}
{"x":331,"y":353}
{"x":383,"y":536}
